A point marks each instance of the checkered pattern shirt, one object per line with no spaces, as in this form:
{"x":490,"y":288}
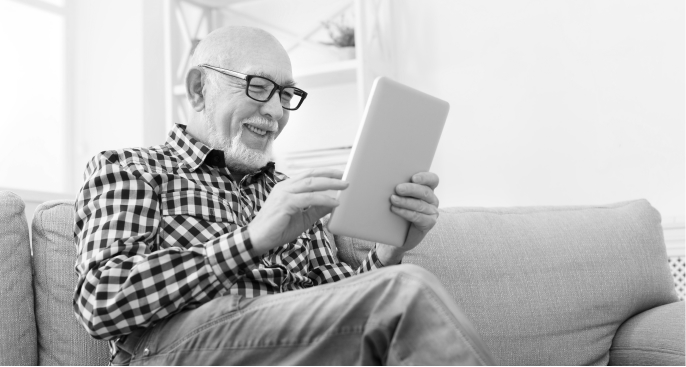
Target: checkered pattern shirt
{"x":163,"y":229}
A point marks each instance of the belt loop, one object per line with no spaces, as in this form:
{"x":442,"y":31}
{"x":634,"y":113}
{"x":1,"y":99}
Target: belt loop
{"x":129,"y":342}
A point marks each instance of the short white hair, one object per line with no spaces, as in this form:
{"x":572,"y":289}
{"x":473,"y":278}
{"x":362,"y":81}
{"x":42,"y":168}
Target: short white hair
{"x":206,"y":52}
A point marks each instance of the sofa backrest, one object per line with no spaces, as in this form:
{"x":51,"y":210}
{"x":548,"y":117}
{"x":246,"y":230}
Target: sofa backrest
{"x":18,"y":335}
{"x":546,"y":285}
{"x":61,"y":339}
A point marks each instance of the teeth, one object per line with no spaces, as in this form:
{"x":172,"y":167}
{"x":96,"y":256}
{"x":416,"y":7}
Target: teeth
{"x":256,"y":130}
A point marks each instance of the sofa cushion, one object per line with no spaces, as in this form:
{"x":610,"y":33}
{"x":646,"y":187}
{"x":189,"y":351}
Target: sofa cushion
{"x":18,"y":336}
{"x":61,"y":339}
{"x":546,"y":285}
{"x":654,"y":337}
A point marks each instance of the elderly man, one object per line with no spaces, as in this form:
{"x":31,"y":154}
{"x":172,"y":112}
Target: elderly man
{"x":198,"y":251}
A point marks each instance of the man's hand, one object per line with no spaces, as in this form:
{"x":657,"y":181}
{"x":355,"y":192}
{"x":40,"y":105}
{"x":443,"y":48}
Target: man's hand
{"x":293,"y":206}
{"x":416,"y":202}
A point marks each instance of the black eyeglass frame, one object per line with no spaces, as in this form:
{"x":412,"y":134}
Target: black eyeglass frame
{"x":247,"y":79}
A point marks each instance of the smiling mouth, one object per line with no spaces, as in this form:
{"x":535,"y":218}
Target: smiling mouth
{"x":256,"y":130}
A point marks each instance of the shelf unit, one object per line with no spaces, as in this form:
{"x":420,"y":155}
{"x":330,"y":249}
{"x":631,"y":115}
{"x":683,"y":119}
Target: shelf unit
{"x":328,"y":74}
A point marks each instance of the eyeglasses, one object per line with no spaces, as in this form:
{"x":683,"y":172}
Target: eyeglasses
{"x":262,"y":89}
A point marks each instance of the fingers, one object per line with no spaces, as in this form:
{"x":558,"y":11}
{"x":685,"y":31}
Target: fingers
{"x":319,"y":179}
{"x":416,"y":201}
{"x":307,"y":200}
{"x":416,"y":205}
{"x":320,"y":172}
{"x":420,"y":220}
{"x":316,"y":184}
{"x":426,"y":178}
{"x":418,"y":191}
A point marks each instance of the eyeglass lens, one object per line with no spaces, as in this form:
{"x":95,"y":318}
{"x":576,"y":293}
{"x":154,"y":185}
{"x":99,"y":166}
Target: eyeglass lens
{"x":259,"y":88}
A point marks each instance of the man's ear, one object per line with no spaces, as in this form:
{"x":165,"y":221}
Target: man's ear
{"x":195,"y":85}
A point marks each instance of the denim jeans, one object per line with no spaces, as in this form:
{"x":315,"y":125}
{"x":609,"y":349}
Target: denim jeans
{"x":398,"y":315}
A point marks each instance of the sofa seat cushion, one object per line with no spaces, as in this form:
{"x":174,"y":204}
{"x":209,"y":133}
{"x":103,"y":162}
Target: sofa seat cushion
{"x":546,"y":285}
{"x":61,"y":339}
{"x":18,"y":335}
{"x":654,"y":337}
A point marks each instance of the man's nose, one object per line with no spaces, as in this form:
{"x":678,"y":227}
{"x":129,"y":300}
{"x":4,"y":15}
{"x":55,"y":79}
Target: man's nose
{"x":272,"y":107}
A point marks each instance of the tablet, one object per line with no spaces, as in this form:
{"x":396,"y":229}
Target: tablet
{"x":400,"y":130}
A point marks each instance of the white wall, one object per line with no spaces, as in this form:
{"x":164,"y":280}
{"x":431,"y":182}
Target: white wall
{"x":34,"y":125}
{"x":114,"y":94}
{"x":107,"y":78}
{"x":552,"y":102}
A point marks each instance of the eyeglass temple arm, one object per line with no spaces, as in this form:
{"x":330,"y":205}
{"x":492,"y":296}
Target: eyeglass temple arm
{"x":224,"y":71}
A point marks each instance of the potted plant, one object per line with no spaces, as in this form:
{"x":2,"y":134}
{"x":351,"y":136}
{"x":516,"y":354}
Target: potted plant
{"x":342,"y":38}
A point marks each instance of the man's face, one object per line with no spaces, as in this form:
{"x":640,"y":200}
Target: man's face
{"x":243,"y":128}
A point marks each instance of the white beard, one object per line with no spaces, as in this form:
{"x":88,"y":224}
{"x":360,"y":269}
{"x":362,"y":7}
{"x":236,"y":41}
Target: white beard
{"x":239,"y":157}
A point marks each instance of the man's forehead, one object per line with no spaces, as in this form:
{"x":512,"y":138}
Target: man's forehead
{"x":255,"y":52}
{"x":279,"y":77}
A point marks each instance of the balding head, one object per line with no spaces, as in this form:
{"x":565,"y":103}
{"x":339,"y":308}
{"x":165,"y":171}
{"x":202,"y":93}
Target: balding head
{"x":234,"y":47}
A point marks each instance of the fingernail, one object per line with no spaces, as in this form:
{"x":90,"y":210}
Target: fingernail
{"x":394,"y":197}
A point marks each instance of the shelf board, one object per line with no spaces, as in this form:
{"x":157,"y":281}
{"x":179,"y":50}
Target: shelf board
{"x":327,"y":74}
{"x":217,"y":4}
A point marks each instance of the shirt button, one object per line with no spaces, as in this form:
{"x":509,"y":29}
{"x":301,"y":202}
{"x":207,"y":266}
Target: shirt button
{"x":146,"y":352}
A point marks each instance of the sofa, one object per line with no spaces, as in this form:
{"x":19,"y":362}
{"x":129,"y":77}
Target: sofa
{"x":561,"y":285}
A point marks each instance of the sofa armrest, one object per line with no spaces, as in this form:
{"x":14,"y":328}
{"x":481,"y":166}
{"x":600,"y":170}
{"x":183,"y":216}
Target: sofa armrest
{"x":654,"y":337}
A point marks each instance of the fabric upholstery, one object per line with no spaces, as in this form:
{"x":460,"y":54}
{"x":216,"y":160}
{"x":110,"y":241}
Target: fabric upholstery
{"x":61,"y":339}
{"x":546,"y":285}
{"x":18,"y":335}
{"x":654,"y":337}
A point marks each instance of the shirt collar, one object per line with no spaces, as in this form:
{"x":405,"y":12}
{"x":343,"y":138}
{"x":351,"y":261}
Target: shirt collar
{"x":193,"y":153}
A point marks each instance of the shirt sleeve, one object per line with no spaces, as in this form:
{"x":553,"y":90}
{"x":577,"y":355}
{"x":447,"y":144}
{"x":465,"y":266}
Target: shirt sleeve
{"x":324,"y":268}
{"x":124,"y":280}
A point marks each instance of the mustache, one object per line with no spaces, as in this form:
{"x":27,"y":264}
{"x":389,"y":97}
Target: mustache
{"x":261,"y":123}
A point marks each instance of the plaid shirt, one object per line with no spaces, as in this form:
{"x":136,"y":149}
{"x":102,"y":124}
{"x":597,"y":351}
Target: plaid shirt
{"x":163,"y":229}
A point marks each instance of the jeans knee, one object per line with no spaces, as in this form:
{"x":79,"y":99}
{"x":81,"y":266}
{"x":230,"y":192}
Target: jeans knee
{"x":416,"y":273}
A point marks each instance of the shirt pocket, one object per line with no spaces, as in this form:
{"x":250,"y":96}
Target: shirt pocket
{"x":192,"y":217}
